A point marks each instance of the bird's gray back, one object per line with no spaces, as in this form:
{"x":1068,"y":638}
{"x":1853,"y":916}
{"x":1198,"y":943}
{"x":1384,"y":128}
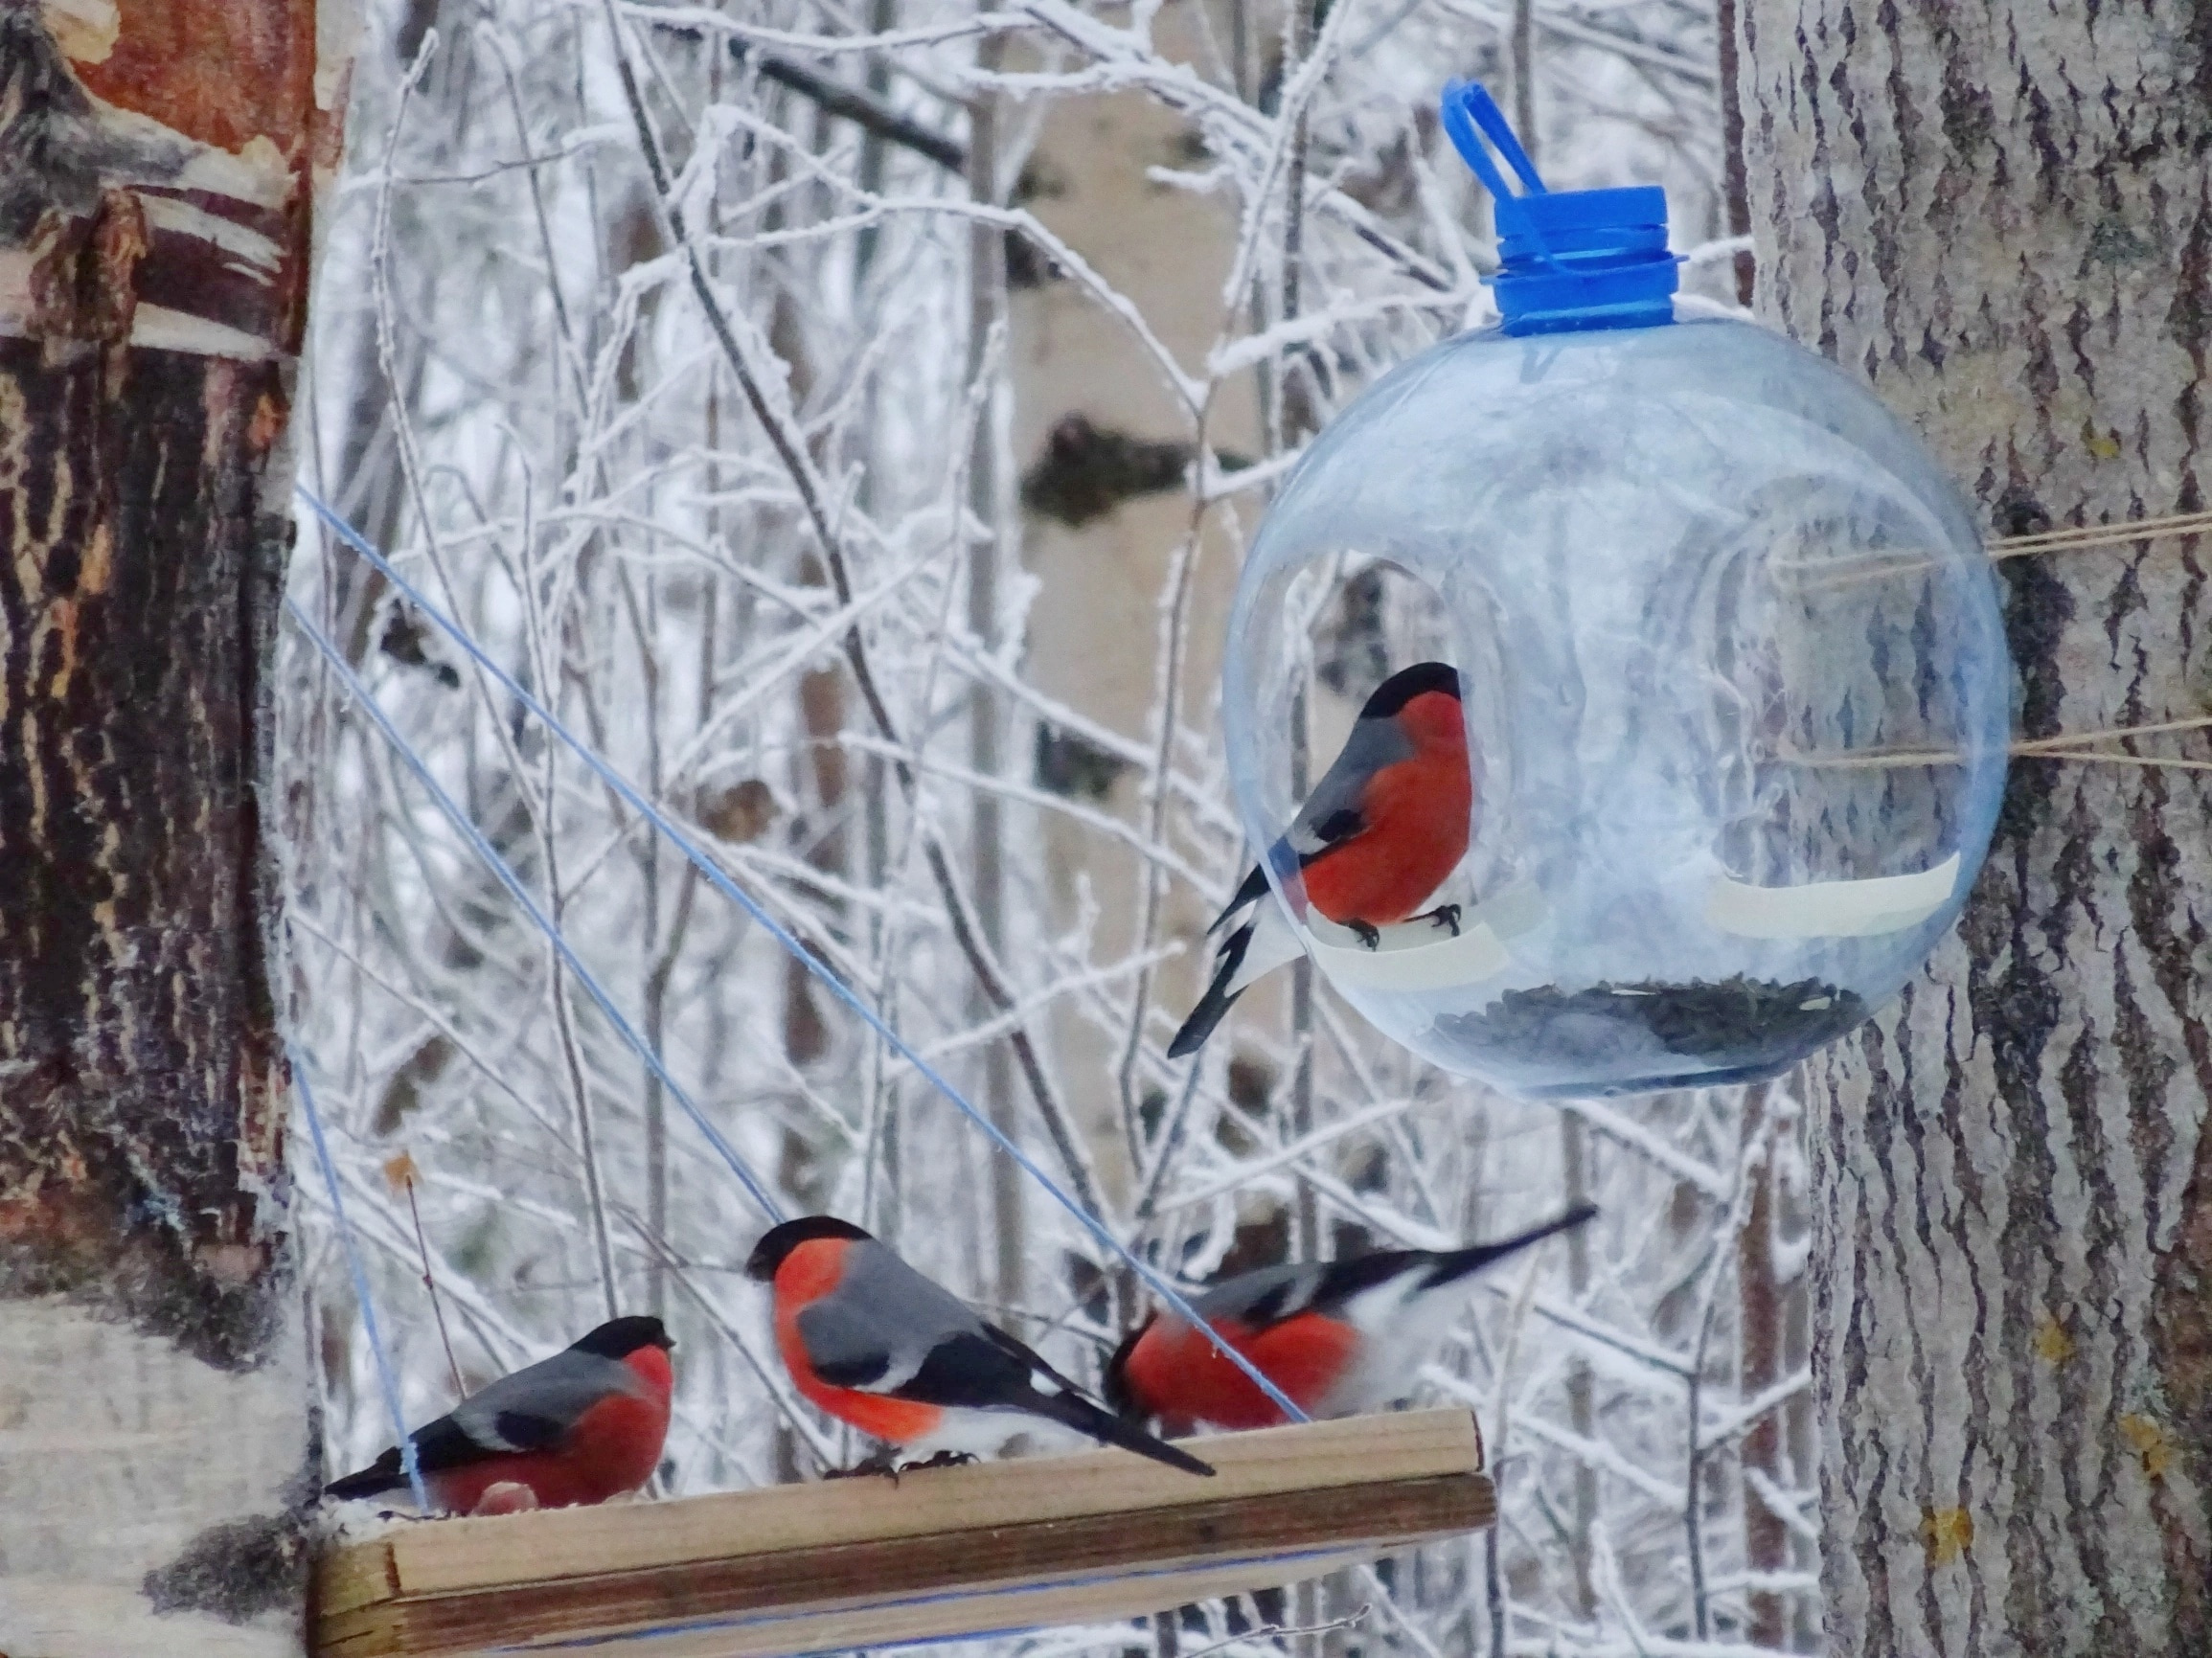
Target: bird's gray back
{"x":1372,"y":745}
{"x":1276,"y":1292}
{"x":881,"y":1308}
{"x":555,"y":1390}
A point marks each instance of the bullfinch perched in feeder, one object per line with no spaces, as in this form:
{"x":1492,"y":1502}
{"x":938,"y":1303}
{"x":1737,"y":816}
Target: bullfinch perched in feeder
{"x":579,"y":1427}
{"x":1338,"y":1337}
{"x":874,"y":1343}
{"x":1380,"y":832}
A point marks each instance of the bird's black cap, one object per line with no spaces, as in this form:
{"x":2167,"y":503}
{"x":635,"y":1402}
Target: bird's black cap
{"x":780,"y":1241}
{"x":1408,"y":683}
{"x":620,"y":1337}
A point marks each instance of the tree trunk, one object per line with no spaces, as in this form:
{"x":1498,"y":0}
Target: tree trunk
{"x":1998,"y":215}
{"x":158,"y":1451}
{"x":1771,"y":1304}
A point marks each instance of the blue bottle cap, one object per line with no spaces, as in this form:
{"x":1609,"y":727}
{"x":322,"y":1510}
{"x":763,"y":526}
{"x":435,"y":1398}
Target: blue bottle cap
{"x":1567,"y":259}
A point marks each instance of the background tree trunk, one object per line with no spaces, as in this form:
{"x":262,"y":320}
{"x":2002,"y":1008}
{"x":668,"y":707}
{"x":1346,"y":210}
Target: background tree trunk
{"x":157,"y":1456}
{"x":1998,"y":216}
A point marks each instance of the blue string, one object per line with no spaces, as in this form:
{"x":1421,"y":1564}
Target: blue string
{"x":409,"y":1459}
{"x":729,"y":888}
{"x":936,"y":1597}
{"x":512,"y":882}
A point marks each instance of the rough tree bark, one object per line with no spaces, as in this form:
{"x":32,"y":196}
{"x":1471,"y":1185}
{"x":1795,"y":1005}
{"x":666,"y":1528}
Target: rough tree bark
{"x":156,"y":167}
{"x":1761,"y":1314}
{"x":1999,"y":215}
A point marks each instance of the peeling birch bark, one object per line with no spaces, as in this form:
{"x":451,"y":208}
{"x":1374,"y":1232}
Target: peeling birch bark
{"x":157,"y":160}
{"x":2001,"y":216}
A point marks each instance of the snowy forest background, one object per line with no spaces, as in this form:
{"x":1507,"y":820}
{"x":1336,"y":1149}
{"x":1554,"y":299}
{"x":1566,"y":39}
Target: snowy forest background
{"x":872,"y":499}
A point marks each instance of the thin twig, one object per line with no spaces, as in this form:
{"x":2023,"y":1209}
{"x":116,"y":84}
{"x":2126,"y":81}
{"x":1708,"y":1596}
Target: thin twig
{"x":1270,"y":1632}
{"x":402,"y":1169}
{"x":859,"y":105}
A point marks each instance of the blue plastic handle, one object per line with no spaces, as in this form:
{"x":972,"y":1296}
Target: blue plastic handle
{"x":1472,"y":115}
{"x":1567,"y":259}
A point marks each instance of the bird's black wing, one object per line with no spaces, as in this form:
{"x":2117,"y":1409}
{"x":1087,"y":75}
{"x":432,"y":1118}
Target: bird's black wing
{"x":527,"y":1431}
{"x":986,"y":1369}
{"x":1340,"y":824}
{"x":859,"y":1371}
{"x":969,"y":1368}
{"x":1267,"y":1296}
{"x":445,"y":1443}
{"x":1331,"y":812}
{"x":469,"y":1436}
{"x":1023,"y":1354}
{"x":1340,"y":1280}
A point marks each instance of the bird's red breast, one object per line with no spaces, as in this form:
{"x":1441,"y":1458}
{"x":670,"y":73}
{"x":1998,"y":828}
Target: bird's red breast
{"x":1175,"y":1371}
{"x":813,"y":1270}
{"x":612,"y":1448}
{"x":652,"y":1366}
{"x":1416,"y":814}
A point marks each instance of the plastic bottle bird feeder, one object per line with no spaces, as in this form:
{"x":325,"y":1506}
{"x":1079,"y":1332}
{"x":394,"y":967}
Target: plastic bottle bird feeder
{"x":1733,"y":675}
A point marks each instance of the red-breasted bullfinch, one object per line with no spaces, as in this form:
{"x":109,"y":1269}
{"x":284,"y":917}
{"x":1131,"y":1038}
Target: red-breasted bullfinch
{"x":1339,"y":1337}
{"x":874,"y":1343}
{"x":581,"y":1426}
{"x":1380,"y":832}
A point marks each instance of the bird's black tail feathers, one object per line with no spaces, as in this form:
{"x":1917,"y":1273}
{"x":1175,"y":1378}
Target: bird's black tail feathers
{"x":1254,"y":889}
{"x":1219,"y":997}
{"x":1073,"y":1410}
{"x":381,"y":1475}
{"x":1457,"y":1264}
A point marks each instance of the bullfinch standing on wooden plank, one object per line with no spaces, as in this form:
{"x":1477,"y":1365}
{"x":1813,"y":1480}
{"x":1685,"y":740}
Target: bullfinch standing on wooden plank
{"x":874,"y":1343}
{"x":579,"y":1427}
{"x":1385,"y":826}
{"x":1338,"y":1337}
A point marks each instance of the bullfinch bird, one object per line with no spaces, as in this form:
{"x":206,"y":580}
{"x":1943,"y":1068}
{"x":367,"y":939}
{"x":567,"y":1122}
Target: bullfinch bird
{"x":581,"y":1426}
{"x":1338,"y":1337}
{"x":874,"y":1343}
{"x":1387,"y":822}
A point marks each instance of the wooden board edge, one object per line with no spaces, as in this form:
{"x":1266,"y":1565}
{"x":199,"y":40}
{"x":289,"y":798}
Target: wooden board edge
{"x":465,"y":1555}
{"x":1015,"y":1611}
{"x":353,"y":1575}
{"x":953,"y":1568}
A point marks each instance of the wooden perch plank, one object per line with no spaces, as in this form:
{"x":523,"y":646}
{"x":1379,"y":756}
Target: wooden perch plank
{"x":567,"y":1542}
{"x":1027,"y":1607}
{"x":1028,"y":1543}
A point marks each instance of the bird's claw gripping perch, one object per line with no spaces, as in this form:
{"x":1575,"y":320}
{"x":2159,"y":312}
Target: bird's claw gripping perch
{"x":1443,"y":916}
{"x":942,"y":1460}
{"x":883,"y":1462}
{"x":1366,"y":932}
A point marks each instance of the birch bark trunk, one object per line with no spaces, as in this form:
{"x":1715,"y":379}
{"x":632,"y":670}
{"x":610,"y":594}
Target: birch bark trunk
{"x":157,"y":160}
{"x":2001,"y":216}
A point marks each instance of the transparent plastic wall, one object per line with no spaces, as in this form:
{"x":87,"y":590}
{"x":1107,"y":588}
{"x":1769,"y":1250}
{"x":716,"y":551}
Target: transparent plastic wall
{"x":1735,"y":686}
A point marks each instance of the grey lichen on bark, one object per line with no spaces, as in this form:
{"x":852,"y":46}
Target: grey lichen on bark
{"x":2001,"y":216}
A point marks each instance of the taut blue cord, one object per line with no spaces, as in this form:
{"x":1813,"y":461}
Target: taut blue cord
{"x":736,"y":895}
{"x":512,"y":882}
{"x":410,"y":1458}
